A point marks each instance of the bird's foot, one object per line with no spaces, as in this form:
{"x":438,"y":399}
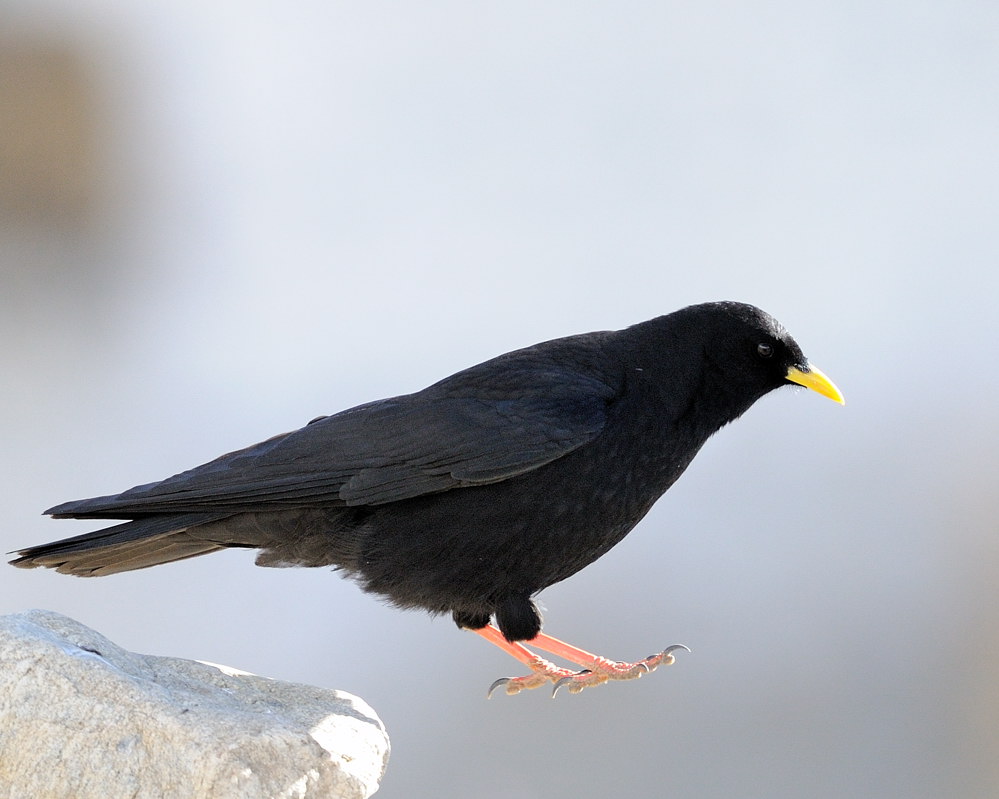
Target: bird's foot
{"x":596,"y":670}
{"x":603,"y":670}
{"x":542,"y":670}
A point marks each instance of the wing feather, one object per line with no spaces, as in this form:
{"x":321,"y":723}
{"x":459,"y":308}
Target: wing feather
{"x":483,"y":425}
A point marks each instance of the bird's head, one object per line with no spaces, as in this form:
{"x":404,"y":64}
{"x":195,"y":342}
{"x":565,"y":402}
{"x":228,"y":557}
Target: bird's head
{"x":747,"y":353}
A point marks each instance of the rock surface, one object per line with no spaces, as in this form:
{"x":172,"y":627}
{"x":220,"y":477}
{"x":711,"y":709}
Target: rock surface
{"x":81,"y":718}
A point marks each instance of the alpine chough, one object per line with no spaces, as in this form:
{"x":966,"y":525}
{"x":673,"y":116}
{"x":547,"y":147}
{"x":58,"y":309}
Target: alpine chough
{"x":472,"y":495}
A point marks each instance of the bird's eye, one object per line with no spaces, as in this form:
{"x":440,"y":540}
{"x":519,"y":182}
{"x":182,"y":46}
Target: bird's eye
{"x":764,"y":350}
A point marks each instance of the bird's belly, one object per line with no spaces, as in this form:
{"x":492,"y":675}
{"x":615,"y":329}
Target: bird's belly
{"x":514,"y":538}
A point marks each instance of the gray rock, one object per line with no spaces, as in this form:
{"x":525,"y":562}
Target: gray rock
{"x":81,"y":718}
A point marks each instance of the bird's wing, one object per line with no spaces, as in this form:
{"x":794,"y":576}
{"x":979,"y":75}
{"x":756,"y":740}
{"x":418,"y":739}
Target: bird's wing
{"x":480,"y":426}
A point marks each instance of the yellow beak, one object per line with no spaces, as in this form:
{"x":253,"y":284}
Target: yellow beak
{"x":815,"y":380}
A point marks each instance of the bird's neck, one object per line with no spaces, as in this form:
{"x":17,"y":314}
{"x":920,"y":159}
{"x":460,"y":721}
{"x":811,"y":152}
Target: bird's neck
{"x":689,"y":409}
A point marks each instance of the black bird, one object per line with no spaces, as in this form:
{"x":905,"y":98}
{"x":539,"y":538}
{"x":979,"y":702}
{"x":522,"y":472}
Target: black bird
{"x":472,"y":495}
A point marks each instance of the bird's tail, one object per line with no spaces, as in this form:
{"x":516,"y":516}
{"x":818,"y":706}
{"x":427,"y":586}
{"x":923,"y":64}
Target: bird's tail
{"x":137,"y":544}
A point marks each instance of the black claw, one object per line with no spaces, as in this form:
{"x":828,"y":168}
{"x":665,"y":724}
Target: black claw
{"x":567,"y":680}
{"x":496,"y":684}
{"x":668,"y":651}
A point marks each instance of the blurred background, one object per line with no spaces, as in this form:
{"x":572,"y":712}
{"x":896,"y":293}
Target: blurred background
{"x":219,"y":220}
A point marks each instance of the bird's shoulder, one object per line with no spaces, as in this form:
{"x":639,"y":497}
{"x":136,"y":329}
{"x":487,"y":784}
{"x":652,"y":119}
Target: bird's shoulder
{"x":582,"y":366}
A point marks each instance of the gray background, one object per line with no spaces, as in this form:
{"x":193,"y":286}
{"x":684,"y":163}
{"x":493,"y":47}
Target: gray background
{"x":220,"y":220}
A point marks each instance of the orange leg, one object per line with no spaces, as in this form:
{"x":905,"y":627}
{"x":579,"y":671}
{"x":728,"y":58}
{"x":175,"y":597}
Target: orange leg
{"x":596,"y":669}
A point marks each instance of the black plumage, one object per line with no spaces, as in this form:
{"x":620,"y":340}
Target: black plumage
{"x":470,"y":496}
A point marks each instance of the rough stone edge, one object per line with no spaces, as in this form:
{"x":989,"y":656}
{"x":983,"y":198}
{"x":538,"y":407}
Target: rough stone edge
{"x":242,"y":688}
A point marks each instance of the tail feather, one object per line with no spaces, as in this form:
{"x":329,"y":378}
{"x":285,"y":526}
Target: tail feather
{"x":128,"y":557}
{"x":299,"y":536}
{"x":124,"y":547}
